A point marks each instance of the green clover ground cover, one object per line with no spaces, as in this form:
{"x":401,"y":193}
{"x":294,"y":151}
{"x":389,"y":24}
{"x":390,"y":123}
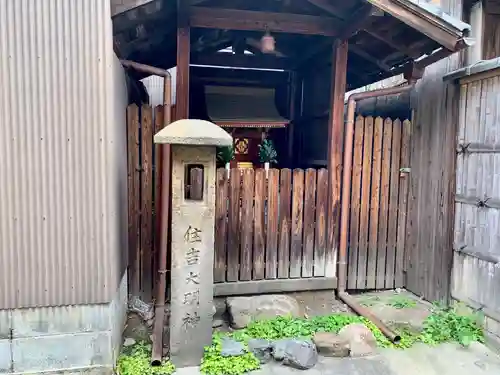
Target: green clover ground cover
{"x":442,"y":325}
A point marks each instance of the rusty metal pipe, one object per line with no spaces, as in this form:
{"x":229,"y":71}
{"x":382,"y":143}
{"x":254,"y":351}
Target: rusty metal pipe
{"x":344,"y":214}
{"x":163,"y":164}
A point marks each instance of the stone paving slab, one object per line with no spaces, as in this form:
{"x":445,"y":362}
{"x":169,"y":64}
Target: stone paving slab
{"x":446,"y":359}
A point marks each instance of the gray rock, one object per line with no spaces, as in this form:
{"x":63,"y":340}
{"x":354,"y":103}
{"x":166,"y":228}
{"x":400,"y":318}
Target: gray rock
{"x":261,"y":349}
{"x":300,"y":354}
{"x":243,"y":310}
{"x":231,"y":348}
{"x":361,"y":340}
{"x":220,"y":307}
{"x":331,"y":345}
{"x":129,"y":341}
{"x":217,"y":323}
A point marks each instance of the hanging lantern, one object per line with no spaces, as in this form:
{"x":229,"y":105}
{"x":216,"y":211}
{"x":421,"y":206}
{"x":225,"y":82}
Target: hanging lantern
{"x":267,"y":43}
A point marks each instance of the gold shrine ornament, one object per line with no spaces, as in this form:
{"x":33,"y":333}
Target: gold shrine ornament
{"x":241,"y":145}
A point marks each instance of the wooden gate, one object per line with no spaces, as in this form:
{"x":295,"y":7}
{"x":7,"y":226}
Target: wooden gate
{"x":271,"y":232}
{"x":378,"y":211}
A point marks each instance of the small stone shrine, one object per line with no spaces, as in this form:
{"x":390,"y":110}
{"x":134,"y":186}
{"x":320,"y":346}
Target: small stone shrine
{"x":193,"y":220}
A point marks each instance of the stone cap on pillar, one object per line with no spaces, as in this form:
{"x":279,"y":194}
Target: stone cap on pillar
{"x":195,"y":133}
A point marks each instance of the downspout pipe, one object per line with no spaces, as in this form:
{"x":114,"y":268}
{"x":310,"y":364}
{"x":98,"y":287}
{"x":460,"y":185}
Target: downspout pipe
{"x":344,"y":214}
{"x":164,"y":164}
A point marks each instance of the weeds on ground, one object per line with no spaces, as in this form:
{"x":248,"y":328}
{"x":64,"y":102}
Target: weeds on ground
{"x":442,"y":325}
{"x":136,"y":360}
{"x":402,"y":302}
{"x":447,"y":325}
{"x":213,"y":363}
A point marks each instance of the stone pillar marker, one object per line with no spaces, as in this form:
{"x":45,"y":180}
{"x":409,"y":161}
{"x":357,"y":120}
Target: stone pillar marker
{"x":193,"y":223}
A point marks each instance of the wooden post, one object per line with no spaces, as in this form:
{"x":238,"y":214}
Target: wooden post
{"x":334,"y":157}
{"x":293,"y":83}
{"x":183,"y":57}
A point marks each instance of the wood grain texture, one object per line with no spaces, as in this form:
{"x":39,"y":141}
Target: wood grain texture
{"x":475,"y":273}
{"x":309,"y":223}
{"x":335,"y":153}
{"x":147,"y":202}
{"x":246,"y":225}
{"x":393,"y":205}
{"x":272,"y":224}
{"x":357,"y":170}
{"x":221,"y":225}
{"x":233,"y":236}
{"x":297,"y":223}
{"x":374,"y":203}
{"x":365,"y":205}
{"x":157,"y":165}
{"x":384,"y":204}
{"x":400,"y":272}
{"x":133,"y":198}
{"x":432,"y":159}
{"x":320,"y":227}
{"x":284,"y":223}
{"x":259,"y":233}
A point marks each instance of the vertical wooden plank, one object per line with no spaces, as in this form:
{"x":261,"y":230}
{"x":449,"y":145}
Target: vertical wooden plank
{"x":335,"y":154}
{"x":393,"y":205}
{"x":297,"y":223}
{"x":284,"y":223}
{"x":309,"y":211}
{"x":364,"y":228}
{"x":220,"y":226}
{"x":384,"y":204}
{"x":374,"y":203}
{"x":147,"y":201}
{"x":320,"y":235}
{"x":259,"y":244}
{"x":246,"y":225}
{"x":357,"y":169}
{"x":233,"y":239}
{"x":196,"y":184}
{"x":402,"y":206}
{"x":158,"y":125}
{"x":133,"y":197}
{"x":272,"y":224}
{"x":183,"y":58}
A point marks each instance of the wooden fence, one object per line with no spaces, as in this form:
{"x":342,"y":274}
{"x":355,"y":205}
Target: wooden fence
{"x":476,"y":260}
{"x":271,"y":231}
{"x":143,"y":188}
{"x":378,"y":211}
{"x":271,"y":228}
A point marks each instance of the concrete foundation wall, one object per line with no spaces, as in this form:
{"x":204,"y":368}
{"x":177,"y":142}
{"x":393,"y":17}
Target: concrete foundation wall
{"x":63,"y":340}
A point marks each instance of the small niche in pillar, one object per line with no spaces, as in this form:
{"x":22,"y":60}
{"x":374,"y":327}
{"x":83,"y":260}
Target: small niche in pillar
{"x":194,"y":178}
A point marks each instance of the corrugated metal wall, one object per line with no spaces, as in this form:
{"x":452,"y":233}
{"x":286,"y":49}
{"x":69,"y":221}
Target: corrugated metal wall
{"x":63,"y":214}
{"x":154,"y":86}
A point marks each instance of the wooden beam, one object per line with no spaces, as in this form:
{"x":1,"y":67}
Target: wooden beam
{"x":242,"y":61}
{"x":352,"y":26}
{"x":357,"y":20}
{"x":335,"y":147}
{"x":121,"y":6}
{"x":427,"y":24}
{"x":327,"y":6}
{"x":361,"y":53}
{"x":247,"y":20}
{"x":183,"y":52}
{"x":391,"y":43}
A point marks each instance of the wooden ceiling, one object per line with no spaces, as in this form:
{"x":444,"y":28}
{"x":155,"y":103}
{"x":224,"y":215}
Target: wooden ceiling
{"x":304,"y":31}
